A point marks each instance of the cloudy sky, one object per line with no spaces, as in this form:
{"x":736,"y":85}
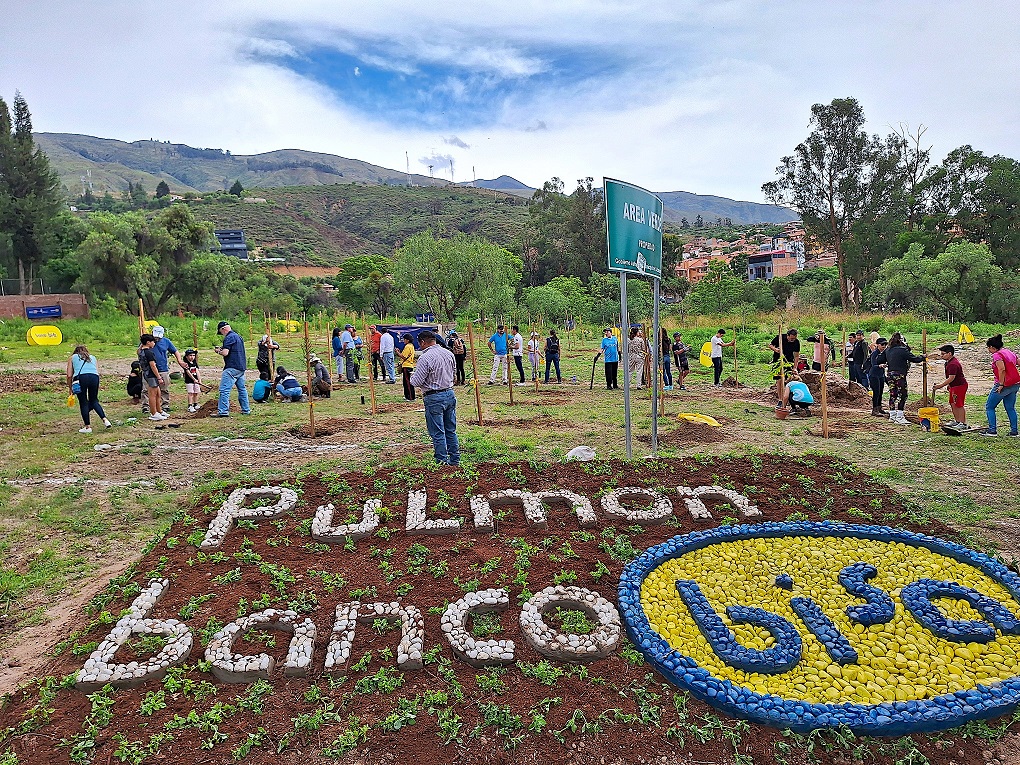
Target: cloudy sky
{"x":691,"y":95}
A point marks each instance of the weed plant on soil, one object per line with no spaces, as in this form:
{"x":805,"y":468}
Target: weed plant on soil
{"x":614,"y":710}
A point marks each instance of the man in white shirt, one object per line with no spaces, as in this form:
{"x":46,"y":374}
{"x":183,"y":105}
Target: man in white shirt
{"x":518,"y":351}
{"x":435,"y":372}
{"x":386,"y":353}
{"x":717,"y":346}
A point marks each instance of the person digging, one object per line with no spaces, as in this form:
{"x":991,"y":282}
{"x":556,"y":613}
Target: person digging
{"x":957,"y":385}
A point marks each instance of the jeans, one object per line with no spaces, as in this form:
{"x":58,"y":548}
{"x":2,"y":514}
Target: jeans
{"x":232,"y":378}
{"x":667,"y":374}
{"x":717,"y":365}
{"x":339,"y":367}
{"x":441,"y":420}
{"x":387,"y":359}
{"x":377,"y":365}
{"x":856,"y":375}
{"x":352,"y":367}
{"x":554,"y":360}
{"x":292,"y":393}
{"x":88,"y":398}
{"x":1008,"y":398}
{"x":461,"y":375}
{"x":519,"y":363}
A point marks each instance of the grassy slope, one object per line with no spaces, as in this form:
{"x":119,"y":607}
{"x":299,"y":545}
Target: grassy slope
{"x":325,"y":224}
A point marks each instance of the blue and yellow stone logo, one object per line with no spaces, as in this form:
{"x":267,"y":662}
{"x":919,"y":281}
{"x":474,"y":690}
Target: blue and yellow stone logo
{"x":808,"y":625}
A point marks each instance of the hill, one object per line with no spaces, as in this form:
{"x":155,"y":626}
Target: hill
{"x":115,"y":163}
{"x":323,"y":225}
{"x":684,"y":204}
{"x":505,"y":183}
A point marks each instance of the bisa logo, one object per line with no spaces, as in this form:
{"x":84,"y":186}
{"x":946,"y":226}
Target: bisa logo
{"x":808,"y":625}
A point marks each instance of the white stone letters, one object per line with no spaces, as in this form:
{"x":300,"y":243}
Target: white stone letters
{"x":323,"y":529}
{"x":696,"y":507}
{"x":417,"y":522}
{"x":99,"y":669}
{"x":577,"y":648}
{"x":477,"y":653}
{"x":234,"y":510}
{"x":230,"y":667}
{"x":349,"y":615}
{"x":660,"y":509}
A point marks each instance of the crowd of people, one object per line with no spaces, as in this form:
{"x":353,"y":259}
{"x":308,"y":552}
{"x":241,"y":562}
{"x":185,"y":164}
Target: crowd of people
{"x":876,"y":363}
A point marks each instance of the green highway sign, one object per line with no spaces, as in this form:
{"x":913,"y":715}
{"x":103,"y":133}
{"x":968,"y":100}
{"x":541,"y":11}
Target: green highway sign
{"x":633,"y":229}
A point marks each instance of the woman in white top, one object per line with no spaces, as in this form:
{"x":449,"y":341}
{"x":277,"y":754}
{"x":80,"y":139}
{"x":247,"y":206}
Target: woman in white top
{"x":83,"y":381}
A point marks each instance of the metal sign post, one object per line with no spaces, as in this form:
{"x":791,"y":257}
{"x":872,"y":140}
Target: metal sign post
{"x":656,"y":360}
{"x":634,"y":238}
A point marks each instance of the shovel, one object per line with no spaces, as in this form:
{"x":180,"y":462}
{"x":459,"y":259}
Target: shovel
{"x":591,"y":386}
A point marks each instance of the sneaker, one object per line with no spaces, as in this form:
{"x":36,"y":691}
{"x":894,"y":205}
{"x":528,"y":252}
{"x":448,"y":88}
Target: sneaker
{"x":682,"y":388}
{"x":155,"y":418}
{"x":491,"y":382}
{"x":217,"y":414}
{"x":990,"y":433}
{"x":107,"y":423}
{"x":85,"y":430}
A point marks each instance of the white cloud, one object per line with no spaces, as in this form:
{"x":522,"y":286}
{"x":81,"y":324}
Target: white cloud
{"x":697,"y":95}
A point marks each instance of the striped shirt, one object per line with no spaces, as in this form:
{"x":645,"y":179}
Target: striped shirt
{"x":435,"y":370}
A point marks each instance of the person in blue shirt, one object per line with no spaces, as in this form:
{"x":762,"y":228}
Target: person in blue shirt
{"x":234,"y":365}
{"x":162,"y":350}
{"x":287,"y":385}
{"x":797,"y":395}
{"x":498,"y":345}
{"x":338,"y":354}
{"x":611,"y":358}
{"x":348,"y":348}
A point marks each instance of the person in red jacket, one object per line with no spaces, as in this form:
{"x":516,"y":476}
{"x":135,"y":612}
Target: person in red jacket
{"x":374,"y":338}
{"x":957,"y":385}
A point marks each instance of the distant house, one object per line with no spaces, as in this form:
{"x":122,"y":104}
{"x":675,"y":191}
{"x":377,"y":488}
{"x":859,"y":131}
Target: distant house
{"x":777,"y":259}
{"x":695,"y":269}
{"x":231,"y":242}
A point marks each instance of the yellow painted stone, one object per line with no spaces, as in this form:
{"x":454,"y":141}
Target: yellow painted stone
{"x":898,"y":661}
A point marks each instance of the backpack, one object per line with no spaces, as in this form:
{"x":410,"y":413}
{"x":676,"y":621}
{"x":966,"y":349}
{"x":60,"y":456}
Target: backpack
{"x":458,"y":347}
{"x":552,"y":344}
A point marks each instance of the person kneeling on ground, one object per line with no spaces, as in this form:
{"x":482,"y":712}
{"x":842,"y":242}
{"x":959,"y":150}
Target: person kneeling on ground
{"x":287,"y":385}
{"x":797,"y":395}
{"x":321,"y":384}
{"x":135,"y":383}
{"x":262,"y":391}
{"x":957,"y":385}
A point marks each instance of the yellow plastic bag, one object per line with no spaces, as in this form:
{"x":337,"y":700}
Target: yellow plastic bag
{"x":71,"y":401}
{"x":695,"y":417}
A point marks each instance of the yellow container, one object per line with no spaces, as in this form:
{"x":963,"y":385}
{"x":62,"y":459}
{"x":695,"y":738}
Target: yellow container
{"x":929,"y":417}
{"x":44,"y":335}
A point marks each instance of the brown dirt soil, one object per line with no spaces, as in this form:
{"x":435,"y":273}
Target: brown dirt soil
{"x":730,"y":382}
{"x":208,"y":409}
{"x":28,"y":382}
{"x":686,"y":433}
{"x":332,"y":426}
{"x":301,"y":716}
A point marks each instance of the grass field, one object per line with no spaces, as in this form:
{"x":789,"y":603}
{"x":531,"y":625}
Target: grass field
{"x":76,"y":509}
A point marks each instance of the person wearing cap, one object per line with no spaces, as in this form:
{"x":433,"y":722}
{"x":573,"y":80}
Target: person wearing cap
{"x":683,"y":365}
{"x":338,"y":354}
{"x":876,"y":364}
{"x":498,"y":344}
{"x":610,"y":357}
{"x":459,"y":350}
{"x":374,"y":340}
{"x":386,"y":350}
{"x":957,"y":385}
{"x":348,"y":351}
{"x":407,"y":365}
{"x":518,"y":351}
{"x":321,"y":383}
{"x":162,"y":350}
{"x":534,"y":354}
{"x":434,"y":374}
{"x":234,"y":365}
{"x":788,"y":346}
{"x":262,"y":360}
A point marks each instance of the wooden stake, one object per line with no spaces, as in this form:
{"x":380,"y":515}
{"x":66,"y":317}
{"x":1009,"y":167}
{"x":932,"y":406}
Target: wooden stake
{"x":371,"y":377}
{"x":782,"y":365}
{"x":272,"y":355}
{"x":924,"y":368}
{"x":474,"y":372}
{"x":736,"y":379}
{"x":194,"y":335}
{"x":825,"y":387}
{"x":251,"y":332}
{"x":141,"y":317}
{"x":308,"y":372}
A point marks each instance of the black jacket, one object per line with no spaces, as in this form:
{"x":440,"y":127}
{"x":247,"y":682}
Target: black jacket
{"x":898,"y":359}
{"x":859,"y":352}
